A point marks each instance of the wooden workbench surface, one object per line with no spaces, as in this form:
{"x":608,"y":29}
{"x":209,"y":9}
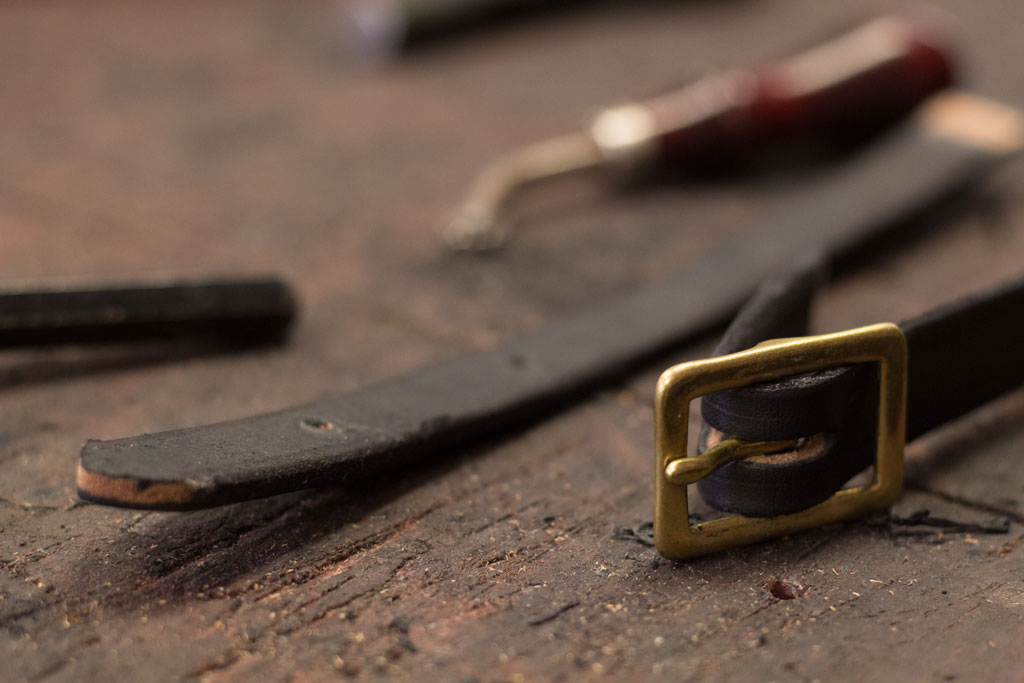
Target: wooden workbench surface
{"x":194,"y":138}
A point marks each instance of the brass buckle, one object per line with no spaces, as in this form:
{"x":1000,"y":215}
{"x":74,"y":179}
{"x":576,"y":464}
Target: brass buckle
{"x":674,"y":537}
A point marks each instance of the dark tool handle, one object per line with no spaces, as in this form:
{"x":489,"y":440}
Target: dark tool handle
{"x":840,"y":91}
{"x":384,"y":28}
{"x":246,"y":310}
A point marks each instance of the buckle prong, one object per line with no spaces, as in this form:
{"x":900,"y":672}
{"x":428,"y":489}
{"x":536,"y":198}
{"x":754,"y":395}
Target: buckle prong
{"x":882,"y":344}
{"x":682,"y":471}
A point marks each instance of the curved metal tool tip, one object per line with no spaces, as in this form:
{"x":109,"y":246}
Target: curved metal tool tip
{"x":475,"y":228}
{"x":482,"y":222}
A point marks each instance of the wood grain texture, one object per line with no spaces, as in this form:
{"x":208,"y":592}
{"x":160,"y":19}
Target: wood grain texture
{"x":192,"y":139}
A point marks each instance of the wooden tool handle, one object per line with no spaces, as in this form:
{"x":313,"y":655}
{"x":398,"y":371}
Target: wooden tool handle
{"x":840,"y":91}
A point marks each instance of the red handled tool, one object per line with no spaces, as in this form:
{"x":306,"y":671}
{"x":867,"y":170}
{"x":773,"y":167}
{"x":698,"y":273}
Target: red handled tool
{"x":838,"y":92}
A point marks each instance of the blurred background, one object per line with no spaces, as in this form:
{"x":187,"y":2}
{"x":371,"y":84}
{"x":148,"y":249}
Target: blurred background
{"x":192,"y":139}
{"x":197,"y":139}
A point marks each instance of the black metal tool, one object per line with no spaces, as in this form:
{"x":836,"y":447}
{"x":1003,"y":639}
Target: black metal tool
{"x":387,"y":28}
{"x":245,"y":310}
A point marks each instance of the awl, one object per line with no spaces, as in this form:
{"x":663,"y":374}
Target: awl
{"x":839,"y":92}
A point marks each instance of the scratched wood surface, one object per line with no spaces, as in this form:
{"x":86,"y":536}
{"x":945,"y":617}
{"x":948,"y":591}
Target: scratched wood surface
{"x":195,"y":138}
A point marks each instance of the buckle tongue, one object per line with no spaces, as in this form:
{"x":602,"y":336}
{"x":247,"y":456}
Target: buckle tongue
{"x":692,"y":470}
{"x":674,"y":537}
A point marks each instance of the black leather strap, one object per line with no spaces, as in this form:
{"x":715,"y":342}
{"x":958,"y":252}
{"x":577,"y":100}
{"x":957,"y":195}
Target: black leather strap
{"x":960,"y":356}
{"x":403,"y":420}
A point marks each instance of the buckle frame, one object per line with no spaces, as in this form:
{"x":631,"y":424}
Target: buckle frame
{"x":883,"y":344}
